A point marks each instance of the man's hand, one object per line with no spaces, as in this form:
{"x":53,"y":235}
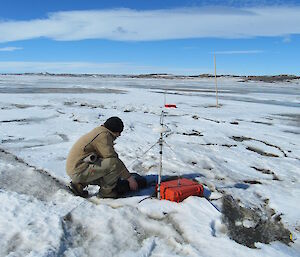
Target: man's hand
{"x":132,"y":183}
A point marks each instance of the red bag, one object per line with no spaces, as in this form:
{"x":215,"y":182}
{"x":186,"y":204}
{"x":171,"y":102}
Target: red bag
{"x":179,"y":189}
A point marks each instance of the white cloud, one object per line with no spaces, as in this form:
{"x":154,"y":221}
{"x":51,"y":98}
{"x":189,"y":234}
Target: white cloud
{"x":126,"y":24}
{"x":94,"y":68}
{"x":58,"y":67}
{"x":10,"y":49}
{"x":238,"y":52}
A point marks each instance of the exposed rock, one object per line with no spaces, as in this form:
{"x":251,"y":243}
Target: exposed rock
{"x":247,"y":226}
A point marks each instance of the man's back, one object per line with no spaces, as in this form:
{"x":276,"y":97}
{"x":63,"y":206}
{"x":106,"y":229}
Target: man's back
{"x":99,"y":140}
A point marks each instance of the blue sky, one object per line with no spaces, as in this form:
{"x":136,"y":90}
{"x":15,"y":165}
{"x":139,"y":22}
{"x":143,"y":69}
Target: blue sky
{"x":134,"y":37}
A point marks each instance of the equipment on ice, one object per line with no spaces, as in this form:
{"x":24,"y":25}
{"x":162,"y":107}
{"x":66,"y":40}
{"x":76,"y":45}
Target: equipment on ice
{"x":174,"y":190}
{"x":178,"y":190}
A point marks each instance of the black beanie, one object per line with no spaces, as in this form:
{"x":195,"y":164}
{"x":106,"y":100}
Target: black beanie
{"x":114,"y":124}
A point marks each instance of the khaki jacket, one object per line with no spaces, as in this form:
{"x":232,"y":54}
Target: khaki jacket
{"x":99,"y":141}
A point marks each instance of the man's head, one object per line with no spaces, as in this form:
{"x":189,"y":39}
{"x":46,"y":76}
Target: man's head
{"x":114,"y":124}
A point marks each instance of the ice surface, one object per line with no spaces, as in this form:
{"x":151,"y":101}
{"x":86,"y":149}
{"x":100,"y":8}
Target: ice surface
{"x":248,"y":148}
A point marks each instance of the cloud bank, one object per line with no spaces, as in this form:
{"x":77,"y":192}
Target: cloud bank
{"x":133,"y":25}
{"x":94,"y":68}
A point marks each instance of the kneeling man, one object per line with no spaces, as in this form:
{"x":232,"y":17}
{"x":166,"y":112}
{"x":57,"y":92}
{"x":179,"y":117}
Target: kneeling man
{"x":93,"y":160}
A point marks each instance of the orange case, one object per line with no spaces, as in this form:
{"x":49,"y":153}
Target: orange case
{"x":179,"y":189}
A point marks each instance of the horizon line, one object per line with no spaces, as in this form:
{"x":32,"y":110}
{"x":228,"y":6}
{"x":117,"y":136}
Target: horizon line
{"x":147,"y":74}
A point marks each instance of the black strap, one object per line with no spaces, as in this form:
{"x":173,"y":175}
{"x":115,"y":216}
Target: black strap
{"x":91,"y":141}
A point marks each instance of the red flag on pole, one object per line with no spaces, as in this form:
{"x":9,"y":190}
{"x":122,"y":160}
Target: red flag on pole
{"x":170,"y":106}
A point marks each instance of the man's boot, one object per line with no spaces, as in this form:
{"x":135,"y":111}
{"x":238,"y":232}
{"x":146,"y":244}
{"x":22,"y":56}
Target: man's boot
{"x":78,"y":189}
{"x":107,"y":192}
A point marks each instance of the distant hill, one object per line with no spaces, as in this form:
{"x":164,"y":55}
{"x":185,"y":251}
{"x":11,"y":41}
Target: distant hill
{"x":271,"y":79}
{"x":264,"y":78}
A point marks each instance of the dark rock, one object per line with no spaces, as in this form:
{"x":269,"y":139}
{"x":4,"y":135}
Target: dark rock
{"x":264,"y":228}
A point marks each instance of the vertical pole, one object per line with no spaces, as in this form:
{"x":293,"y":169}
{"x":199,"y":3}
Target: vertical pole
{"x":160,"y":155}
{"x":160,"y":166}
{"x":216,"y":80}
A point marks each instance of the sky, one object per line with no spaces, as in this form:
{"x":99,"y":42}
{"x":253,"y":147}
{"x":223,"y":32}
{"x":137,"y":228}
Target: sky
{"x":137,"y":37}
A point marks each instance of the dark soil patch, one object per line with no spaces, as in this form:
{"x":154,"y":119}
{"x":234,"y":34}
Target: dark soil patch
{"x":265,"y":227}
{"x":252,"y":182}
{"x":241,"y":139}
{"x":216,"y":121}
{"x":193,"y":133}
{"x":16,"y":120}
{"x":256,"y":150}
{"x":262,"y":122}
{"x":88,"y":105}
{"x":266,"y":171}
{"x":226,"y":145}
{"x":12,"y":140}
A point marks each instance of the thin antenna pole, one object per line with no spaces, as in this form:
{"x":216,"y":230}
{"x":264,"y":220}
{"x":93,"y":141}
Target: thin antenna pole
{"x":160,"y":167}
{"x":216,"y":79}
{"x":160,"y":155}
